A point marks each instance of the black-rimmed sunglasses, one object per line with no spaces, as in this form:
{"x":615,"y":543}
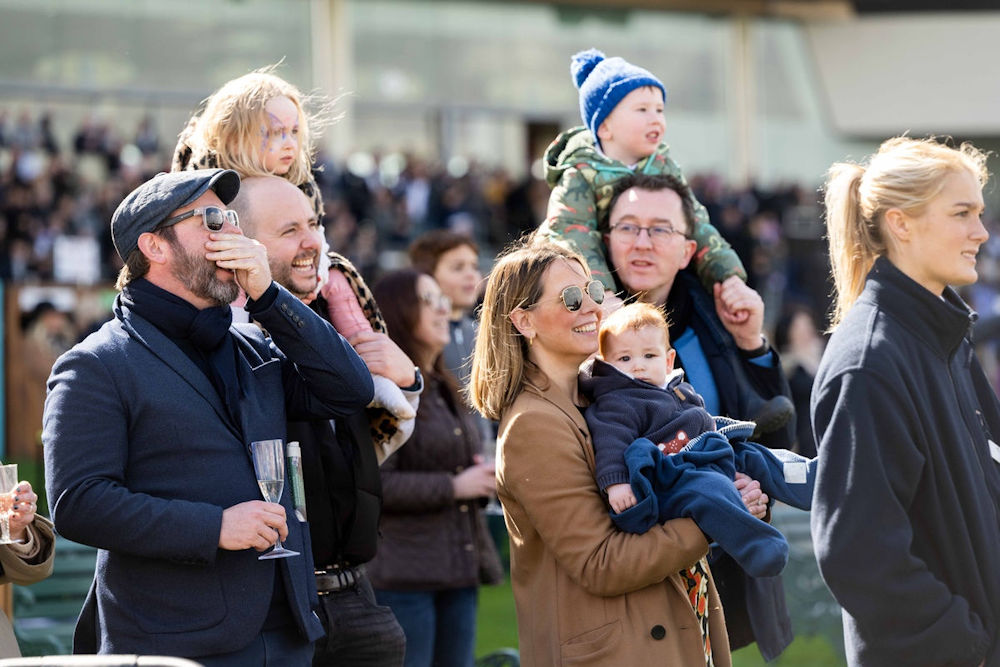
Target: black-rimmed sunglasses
{"x":212,"y":217}
{"x":572,"y":296}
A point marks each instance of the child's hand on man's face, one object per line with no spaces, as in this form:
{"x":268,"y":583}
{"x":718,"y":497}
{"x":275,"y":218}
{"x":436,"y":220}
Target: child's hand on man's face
{"x":620,"y":496}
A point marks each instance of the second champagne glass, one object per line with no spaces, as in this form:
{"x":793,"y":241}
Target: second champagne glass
{"x":269,"y":465}
{"x":493,"y":506}
{"x":8,"y":482}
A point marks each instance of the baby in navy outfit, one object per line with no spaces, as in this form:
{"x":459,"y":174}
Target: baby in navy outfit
{"x":660,"y":455}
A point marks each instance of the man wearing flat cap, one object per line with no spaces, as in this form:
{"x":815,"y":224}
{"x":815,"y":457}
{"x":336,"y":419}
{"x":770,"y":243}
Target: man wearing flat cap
{"x":147,"y":427}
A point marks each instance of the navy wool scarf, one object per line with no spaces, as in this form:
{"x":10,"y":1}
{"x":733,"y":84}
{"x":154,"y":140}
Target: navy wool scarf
{"x":201,"y":334}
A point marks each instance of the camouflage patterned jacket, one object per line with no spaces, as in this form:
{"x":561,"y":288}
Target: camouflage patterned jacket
{"x":582,"y":180}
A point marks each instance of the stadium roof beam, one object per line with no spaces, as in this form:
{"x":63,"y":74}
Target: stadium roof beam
{"x":805,"y":10}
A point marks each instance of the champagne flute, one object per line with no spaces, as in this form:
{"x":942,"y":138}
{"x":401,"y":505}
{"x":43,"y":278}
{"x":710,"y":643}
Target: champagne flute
{"x":269,"y":465}
{"x":8,"y":482}
{"x":493,"y":506}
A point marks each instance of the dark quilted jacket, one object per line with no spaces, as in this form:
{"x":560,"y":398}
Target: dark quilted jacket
{"x":430,"y":541}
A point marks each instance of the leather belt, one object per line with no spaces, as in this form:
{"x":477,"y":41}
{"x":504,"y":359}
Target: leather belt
{"x":335,"y":578}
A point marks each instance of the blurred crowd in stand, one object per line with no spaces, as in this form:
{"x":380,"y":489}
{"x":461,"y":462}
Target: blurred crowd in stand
{"x":378,"y":203}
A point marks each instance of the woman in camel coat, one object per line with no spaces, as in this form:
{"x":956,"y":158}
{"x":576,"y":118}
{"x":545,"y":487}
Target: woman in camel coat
{"x":586,"y":593}
{"x":26,"y":562}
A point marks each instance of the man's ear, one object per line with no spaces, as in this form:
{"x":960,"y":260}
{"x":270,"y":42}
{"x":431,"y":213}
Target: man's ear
{"x":690,"y":247}
{"x":154,"y":247}
{"x":521,"y":319}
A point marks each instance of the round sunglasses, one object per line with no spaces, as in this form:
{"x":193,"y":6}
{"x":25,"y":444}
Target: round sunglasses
{"x":572,"y":296}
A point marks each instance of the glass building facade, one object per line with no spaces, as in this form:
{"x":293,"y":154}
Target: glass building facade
{"x":484,"y":80}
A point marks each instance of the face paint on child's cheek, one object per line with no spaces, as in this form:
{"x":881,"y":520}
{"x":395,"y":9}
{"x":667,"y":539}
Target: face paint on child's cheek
{"x":264,"y":140}
{"x":278,"y":131}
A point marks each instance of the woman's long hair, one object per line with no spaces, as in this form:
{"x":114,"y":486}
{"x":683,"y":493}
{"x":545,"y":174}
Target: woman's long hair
{"x":906,"y":174}
{"x":500,"y":360}
{"x":397,"y":298}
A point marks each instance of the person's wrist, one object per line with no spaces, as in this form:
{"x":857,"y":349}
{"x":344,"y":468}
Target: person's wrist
{"x":19,"y":534}
{"x":257,"y":289}
{"x":754,"y":347}
{"x":417,"y":381}
{"x":263,"y":301}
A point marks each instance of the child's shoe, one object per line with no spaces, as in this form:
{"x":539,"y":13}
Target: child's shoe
{"x":771,"y":415}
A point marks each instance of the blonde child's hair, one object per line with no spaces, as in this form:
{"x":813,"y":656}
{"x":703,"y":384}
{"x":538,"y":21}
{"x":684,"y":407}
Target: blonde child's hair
{"x":229,"y":126}
{"x":905,"y":173}
{"x":634,"y":316}
{"x":500,"y":361}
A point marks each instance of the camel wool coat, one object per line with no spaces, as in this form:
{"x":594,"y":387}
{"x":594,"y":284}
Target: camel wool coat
{"x":585,"y":592}
{"x":17,"y":569}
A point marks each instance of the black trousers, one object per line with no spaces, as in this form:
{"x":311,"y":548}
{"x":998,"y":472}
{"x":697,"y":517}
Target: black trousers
{"x":359,"y":633}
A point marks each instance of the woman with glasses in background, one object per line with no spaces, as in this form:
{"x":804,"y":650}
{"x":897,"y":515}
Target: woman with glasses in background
{"x":435,"y":549}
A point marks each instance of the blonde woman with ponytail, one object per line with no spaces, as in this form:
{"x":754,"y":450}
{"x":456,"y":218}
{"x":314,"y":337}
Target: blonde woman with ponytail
{"x":906,"y":511}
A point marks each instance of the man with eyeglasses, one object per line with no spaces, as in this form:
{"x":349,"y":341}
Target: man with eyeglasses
{"x":722,"y":349}
{"x":147,"y":428}
{"x":342,"y":483}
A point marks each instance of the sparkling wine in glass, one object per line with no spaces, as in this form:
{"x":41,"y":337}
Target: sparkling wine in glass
{"x":493,"y":506}
{"x":8,"y":482}
{"x":269,"y":465}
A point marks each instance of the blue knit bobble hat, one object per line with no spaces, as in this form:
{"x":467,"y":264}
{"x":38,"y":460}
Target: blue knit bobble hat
{"x":604,"y":82}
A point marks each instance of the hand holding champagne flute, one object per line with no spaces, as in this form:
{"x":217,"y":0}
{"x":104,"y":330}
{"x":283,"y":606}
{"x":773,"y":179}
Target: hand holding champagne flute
{"x":17,"y":505}
{"x":269,"y":465}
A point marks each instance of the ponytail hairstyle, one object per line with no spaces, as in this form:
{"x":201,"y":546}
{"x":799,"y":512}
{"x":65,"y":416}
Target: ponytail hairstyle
{"x":904,"y":173}
{"x":230,"y":125}
{"x":500,"y":361}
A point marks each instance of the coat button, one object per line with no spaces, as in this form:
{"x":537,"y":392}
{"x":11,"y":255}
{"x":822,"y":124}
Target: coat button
{"x":469,"y":547}
{"x":463,"y":508}
{"x":457,"y":431}
{"x":658,"y":632}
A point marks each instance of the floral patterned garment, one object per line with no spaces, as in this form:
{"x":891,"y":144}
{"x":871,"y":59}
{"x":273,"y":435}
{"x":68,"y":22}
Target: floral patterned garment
{"x":696,"y":581}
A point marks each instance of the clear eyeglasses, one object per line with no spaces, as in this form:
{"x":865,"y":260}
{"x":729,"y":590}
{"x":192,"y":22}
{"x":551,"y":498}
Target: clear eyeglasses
{"x":657,"y":233}
{"x":439,"y":301}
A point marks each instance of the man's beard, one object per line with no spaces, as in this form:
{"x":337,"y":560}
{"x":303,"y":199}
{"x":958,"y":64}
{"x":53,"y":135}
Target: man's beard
{"x":282,"y":274}
{"x":198,"y":274}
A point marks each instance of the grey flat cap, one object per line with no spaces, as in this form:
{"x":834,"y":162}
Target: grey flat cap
{"x":152,"y":202}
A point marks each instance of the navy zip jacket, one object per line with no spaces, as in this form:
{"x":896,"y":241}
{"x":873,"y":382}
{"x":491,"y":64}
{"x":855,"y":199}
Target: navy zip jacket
{"x":906,"y":512}
{"x":627,"y":416}
{"x":755,"y":606}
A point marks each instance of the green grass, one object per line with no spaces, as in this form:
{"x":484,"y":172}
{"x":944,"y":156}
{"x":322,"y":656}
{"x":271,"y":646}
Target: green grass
{"x":805,"y":651}
{"x":497,"y":628}
{"x":497,"y":623}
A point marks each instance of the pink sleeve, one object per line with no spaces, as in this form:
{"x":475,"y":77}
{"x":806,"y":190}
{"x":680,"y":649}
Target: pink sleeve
{"x":345,"y":311}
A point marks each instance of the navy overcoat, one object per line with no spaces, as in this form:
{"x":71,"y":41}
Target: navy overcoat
{"x":142,"y":457}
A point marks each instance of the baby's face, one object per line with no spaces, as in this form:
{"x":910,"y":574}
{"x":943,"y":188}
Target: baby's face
{"x":641,"y":353}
